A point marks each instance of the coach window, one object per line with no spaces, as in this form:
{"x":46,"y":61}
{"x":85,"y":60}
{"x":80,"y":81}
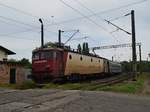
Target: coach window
{"x":81,"y":58}
{"x":70,"y":57}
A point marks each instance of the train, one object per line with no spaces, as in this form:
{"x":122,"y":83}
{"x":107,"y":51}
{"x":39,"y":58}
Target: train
{"x":50,"y":63}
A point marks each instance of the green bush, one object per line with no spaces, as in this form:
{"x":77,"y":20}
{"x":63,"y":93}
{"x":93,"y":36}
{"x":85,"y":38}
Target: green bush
{"x":26,"y":85}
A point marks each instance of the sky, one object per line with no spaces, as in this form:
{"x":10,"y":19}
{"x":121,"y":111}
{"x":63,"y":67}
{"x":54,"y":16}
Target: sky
{"x":20,"y":27}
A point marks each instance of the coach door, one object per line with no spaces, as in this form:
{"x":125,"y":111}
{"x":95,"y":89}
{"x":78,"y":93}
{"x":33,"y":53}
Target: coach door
{"x":12,"y":76}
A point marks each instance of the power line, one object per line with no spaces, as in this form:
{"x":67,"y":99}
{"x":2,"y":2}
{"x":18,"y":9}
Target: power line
{"x":118,"y":27}
{"x":16,"y":21}
{"x":72,"y":36}
{"x":88,"y":17}
{"x":12,"y":33}
{"x":14,"y":37}
{"x":18,"y":10}
{"x":106,"y":11}
{"x":88,"y":9}
{"x":66,"y":21}
{"x":93,"y":13}
{"x":21,"y":11}
{"x":119,"y":17}
{"x":80,"y":38}
{"x":83,"y":15}
{"x":3,"y":21}
{"x":101,"y":12}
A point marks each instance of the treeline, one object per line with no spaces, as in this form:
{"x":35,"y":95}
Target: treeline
{"x":84,"y":49}
{"x":25,"y":62}
{"x":127,"y":66}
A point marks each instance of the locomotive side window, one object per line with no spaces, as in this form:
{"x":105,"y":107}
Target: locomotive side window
{"x":70,"y":57}
{"x":81,"y":58}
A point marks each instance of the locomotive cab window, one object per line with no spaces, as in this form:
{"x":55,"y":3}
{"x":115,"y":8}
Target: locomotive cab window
{"x":47,"y":55}
{"x":36,"y":56}
{"x":43,"y":55}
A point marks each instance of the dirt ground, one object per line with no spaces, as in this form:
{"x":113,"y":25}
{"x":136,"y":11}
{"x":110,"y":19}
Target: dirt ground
{"x":37,"y":100}
{"x":146,"y":88}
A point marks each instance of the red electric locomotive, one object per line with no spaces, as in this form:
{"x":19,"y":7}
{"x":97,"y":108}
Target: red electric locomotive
{"x":60,"y":62}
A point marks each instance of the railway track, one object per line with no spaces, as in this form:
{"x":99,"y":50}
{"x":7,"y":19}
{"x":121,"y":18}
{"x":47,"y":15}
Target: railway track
{"x":102,"y":82}
{"x":110,"y":80}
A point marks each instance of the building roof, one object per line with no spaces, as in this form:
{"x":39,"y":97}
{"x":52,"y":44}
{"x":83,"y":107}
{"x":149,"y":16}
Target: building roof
{"x":9,"y":52}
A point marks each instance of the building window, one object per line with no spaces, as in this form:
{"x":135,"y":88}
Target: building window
{"x":99,"y":61}
{"x":91,"y":60}
{"x":70,"y":57}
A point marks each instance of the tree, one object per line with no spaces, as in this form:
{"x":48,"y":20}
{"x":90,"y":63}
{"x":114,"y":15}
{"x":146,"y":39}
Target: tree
{"x":79,"y":48}
{"x":25,"y":62}
{"x":87,"y":48}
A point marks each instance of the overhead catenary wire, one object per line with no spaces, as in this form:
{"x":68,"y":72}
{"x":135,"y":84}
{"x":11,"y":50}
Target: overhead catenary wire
{"x":91,"y":20}
{"x":75,"y":19}
{"x":18,"y":10}
{"x":118,"y":27}
{"x":19,"y":38}
{"x":66,"y":21}
{"x":80,"y":38}
{"x":8,"y":23}
{"x":91,"y":11}
{"x":101,"y":12}
{"x":84,"y":16}
{"x":119,"y":17}
{"x":19,"y":22}
{"x":72,"y":36}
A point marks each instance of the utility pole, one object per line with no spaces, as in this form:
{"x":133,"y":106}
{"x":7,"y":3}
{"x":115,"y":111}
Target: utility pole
{"x":59,"y":37}
{"x":140,"y":59}
{"x":112,"y":58}
{"x":42,"y":33}
{"x":134,"y":59}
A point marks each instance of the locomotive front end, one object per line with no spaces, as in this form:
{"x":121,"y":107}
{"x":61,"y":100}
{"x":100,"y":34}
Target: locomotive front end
{"x":46,"y":65}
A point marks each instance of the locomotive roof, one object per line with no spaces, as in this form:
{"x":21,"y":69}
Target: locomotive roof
{"x":68,"y":50}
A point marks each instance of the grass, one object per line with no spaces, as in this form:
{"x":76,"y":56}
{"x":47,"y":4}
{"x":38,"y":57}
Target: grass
{"x":26,"y":85}
{"x":133,"y":87}
{"x":67,"y":86}
{"x":128,"y":87}
{"x":22,"y":86}
{"x":8,"y":86}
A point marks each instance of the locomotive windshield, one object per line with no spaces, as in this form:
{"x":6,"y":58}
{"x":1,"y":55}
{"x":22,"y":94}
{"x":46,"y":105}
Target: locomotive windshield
{"x":43,"y":55}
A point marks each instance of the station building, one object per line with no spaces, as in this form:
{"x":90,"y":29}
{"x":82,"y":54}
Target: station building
{"x":10,"y":72}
